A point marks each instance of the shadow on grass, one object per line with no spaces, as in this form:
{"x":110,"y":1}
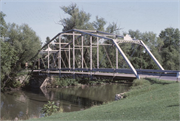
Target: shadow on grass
{"x":173,"y":105}
{"x":157,"y":81}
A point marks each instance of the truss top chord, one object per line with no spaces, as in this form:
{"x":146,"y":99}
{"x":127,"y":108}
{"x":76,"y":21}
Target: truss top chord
{"x":71,"y":34}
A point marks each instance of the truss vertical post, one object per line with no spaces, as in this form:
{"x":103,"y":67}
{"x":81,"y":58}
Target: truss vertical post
{"x":48,"y":56}
{"x":73,"y":55}
{"x":126,"y":59}
{"x":116,"y":58}
{"x":69,"y":61}
{"x":97,"y":52}
{"x":152,"y":56}
{"x":91,"y":54}
{"x":82,"y":66}
{"x":39,"y":63}
{"x":59,"y":56}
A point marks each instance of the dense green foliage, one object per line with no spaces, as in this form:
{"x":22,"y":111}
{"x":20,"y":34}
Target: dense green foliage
{"x":170,"y":51}
{"x":3,"y":26}
{"x":49,"y":108}
{"x":78,"y":19}
{"x":158,"y":101}
{"x":8,"y":58}
{"x":19,"y":43}
{"x":63,"y":82}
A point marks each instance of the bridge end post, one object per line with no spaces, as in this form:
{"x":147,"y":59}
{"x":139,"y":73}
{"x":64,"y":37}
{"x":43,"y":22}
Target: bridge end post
{"x":138,"y":77}
{"x":178,"y":76}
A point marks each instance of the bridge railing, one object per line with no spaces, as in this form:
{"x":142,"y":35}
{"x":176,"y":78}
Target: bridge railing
{"x":157,"y":72}
{"x":123,"y":71}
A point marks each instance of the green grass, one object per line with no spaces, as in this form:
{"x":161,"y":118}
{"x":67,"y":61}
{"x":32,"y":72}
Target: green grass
{"x":157,"y":100}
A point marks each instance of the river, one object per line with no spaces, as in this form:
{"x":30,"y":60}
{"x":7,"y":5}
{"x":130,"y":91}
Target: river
{"x":28,"y":104}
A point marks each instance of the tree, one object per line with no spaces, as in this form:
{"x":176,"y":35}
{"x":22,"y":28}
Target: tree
{"x":78,"y":18}
{"x":24,"y":40}
{"x":8,"y":59}
{"x":3,"y":26}
{"x":170,"y":50}
{"x":99,"y":24}
{"x":113,"y":28}
{"x":20,"y":44}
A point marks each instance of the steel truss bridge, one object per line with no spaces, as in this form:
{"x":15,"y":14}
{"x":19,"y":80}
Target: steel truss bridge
{"x":73,"y":43}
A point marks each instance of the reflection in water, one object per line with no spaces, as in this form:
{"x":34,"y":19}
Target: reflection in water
{"x":20,"y":105}
{"x":25,"y":105}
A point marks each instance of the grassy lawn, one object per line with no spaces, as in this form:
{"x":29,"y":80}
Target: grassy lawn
{"x":148,"y":99}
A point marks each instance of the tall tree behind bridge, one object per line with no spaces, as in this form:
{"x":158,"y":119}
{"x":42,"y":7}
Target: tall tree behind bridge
{"x":78,"y":19}
{"x":170,"y":51}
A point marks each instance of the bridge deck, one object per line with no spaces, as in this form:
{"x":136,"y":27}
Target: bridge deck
{"x":171,"y":75}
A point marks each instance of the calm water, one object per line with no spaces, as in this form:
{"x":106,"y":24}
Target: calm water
{"x":28,"y":104}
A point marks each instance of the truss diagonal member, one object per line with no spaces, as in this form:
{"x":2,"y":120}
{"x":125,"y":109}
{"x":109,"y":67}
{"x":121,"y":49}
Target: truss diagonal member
{"x":152,"y":56}
{"x":43,"y":63}
{"x":54,"y":60}
{"x":126,"y":59}
{"x":108,"y":57}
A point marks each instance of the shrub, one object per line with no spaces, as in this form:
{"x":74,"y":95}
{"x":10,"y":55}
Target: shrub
{"x":49,"y":109}
{"x":62,"y":82}
{"x":16,"y":84}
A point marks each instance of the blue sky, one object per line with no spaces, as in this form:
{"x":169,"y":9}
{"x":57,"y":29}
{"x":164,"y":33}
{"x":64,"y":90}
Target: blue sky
{"x":143,"y":15}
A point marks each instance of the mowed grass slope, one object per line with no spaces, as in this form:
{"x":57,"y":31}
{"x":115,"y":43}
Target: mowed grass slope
{"x":157,"y":100}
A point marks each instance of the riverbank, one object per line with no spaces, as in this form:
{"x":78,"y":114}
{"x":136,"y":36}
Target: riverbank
{"x":158,"y":100}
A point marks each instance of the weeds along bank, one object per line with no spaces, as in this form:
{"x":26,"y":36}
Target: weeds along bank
{"x":148,"y":99}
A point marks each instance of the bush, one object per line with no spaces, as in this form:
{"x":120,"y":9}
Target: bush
{"x":49,"y":109}
{"x":16,"y":84}
{"x":62,"y":82}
